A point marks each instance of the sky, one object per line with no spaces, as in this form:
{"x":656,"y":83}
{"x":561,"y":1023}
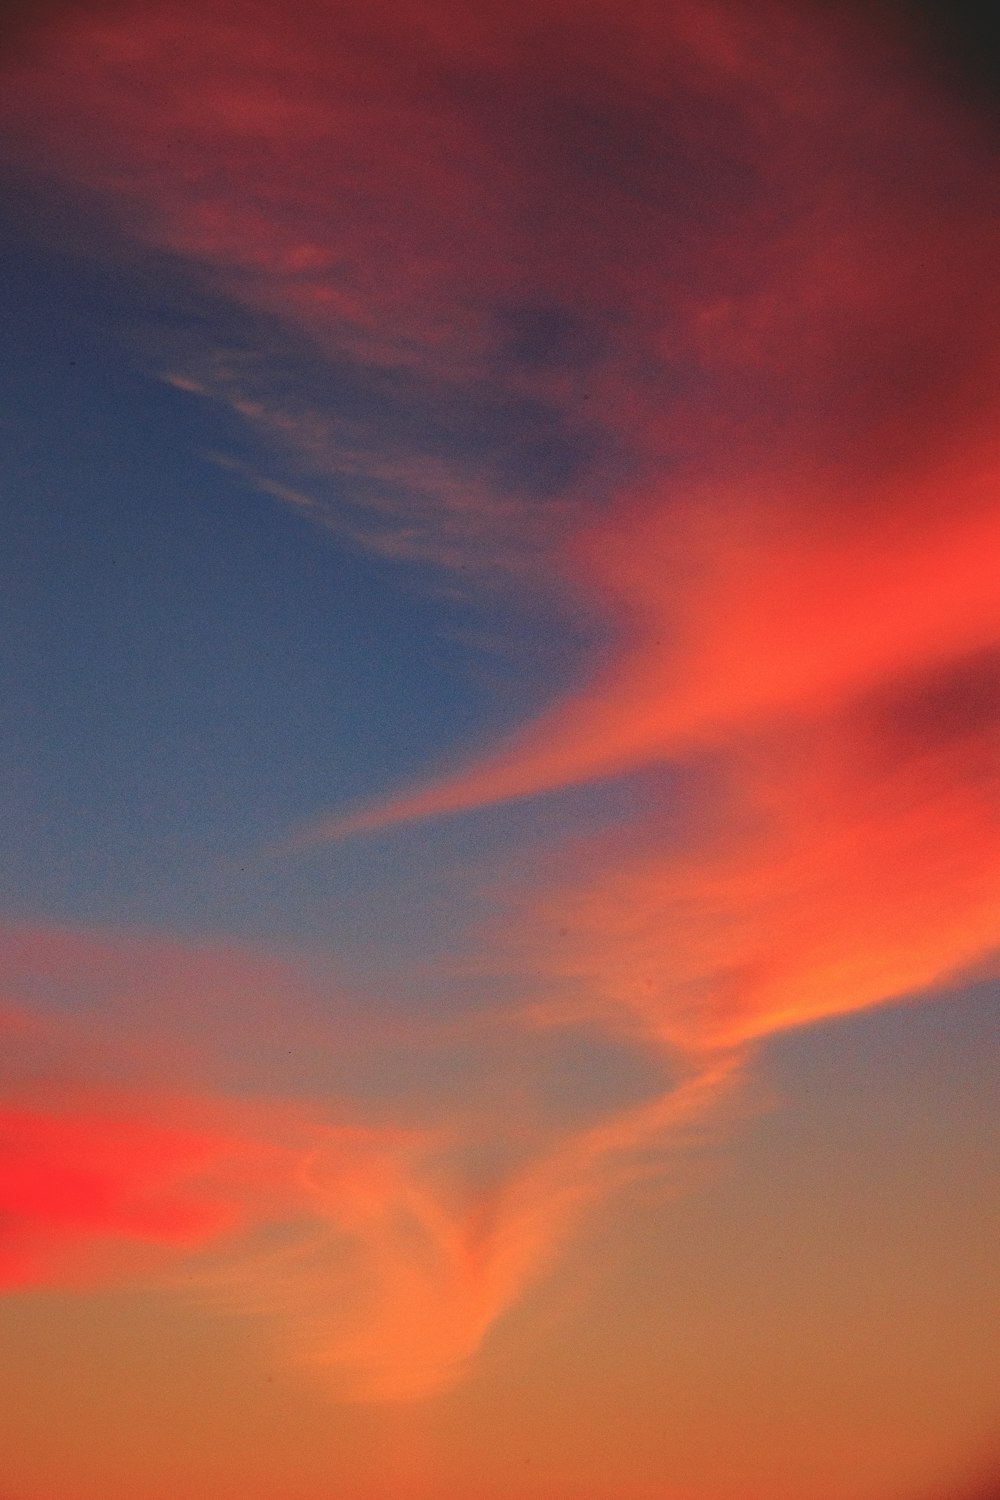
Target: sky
{"x":499,"y":936}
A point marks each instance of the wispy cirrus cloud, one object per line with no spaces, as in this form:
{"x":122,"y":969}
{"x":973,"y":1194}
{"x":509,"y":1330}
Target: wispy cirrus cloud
{"x":512,"y":262}
{"x":373,"y":1250}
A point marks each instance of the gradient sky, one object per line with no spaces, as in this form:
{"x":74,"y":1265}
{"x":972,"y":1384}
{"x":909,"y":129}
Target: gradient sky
{"x":500,"y":916}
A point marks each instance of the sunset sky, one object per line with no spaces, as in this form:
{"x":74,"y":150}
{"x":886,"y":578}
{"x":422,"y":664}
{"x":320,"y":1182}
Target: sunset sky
{"x":500,"y":751}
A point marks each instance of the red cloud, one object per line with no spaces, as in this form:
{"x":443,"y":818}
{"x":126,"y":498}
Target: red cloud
{"x":738,"y":612}
{"x":74,"y":1180}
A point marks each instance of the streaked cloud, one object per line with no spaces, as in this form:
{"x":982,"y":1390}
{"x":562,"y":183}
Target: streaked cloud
{"x":376,"y":1252}
{"x":830,"y":867}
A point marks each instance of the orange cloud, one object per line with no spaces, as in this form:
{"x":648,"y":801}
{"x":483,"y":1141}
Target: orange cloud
{"x":432,"y":1265}
{"x":370,"y":1249}
{"x":845,"y":863}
